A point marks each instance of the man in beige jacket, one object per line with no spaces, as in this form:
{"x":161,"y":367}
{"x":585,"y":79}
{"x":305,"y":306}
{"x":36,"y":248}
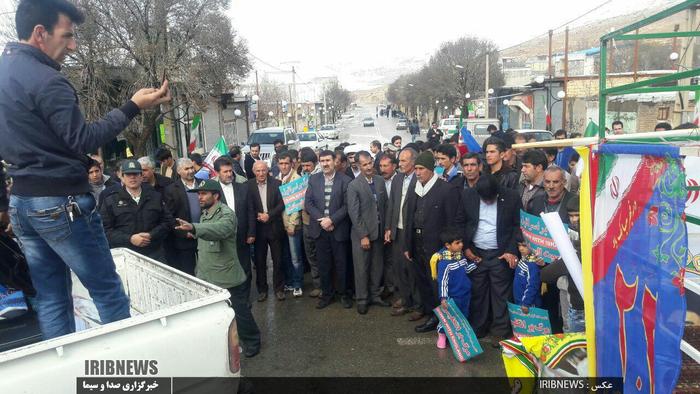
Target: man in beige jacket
{"x":291,"y":251}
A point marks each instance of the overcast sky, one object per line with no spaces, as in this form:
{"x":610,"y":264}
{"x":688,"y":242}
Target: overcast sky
{"x":336,"y":37}
{"x":342,"y":37}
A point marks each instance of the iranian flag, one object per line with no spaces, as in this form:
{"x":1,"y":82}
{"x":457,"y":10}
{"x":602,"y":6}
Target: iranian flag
{"x":219,"y":150}
{"x":194,"y":132}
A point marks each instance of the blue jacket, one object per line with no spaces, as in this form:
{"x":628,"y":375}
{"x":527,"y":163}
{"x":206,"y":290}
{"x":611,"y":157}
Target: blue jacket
{"x":526,"y":285}
{"x":452,"y":274}
{"x":45,"y":135}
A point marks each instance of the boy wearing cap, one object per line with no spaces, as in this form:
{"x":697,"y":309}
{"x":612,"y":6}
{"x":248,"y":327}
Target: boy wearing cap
{"x":217,"y":258}
{"x":134,"y":215}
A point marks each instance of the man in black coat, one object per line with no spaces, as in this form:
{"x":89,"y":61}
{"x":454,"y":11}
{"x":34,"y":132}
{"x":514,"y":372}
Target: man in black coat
{"x":329,"y":225}
{"x":181,"y":251}
{"x":235,"y":196}
{"x":430,"y":207}
{"x":235,"y":154}
{"x":495,"y":151}
{"x":490,"y":219}
{"x":157,"y":181}
{"x":265,"y":207}
{"x":250,"y":159}
{"x":135,"y":217}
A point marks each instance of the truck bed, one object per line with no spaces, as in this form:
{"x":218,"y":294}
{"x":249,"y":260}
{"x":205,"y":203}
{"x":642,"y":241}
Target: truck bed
{"x":177,"y":320}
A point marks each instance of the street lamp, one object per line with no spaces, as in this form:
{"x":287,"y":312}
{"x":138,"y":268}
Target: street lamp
{"x":236,"y":114}
{"x":506,"y":102}
{"x":459,"y":66}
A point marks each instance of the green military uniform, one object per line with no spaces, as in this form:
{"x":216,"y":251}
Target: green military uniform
{"x":218,"y":262}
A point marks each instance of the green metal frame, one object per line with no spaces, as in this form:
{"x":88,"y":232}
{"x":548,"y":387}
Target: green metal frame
{"x":647,"y":85}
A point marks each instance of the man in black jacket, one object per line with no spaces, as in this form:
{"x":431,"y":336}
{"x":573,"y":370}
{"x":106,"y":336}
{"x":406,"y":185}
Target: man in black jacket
{"x":490,"y":217}
{"x":235,"y":154}
{"x":180,"y":250}
{"x":250,"y":159}
{"x":235,"y":196}
{"x":265,"y":207}
{"x":150,"y":176}
{"x":135,"y":217}
{"x":430,"y":208}
{"x":329,"y":225}
{"x":46,"y":139}
{"x":532,"y":185}
{"x":495,"y":150}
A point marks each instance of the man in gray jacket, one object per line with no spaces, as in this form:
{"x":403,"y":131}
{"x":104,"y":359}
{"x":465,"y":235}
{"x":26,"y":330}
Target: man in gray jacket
{"x":367,"y":201}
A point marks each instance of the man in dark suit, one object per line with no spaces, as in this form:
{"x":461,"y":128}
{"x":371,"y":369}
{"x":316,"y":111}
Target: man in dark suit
{"x":403,"y":183}
{"x":495,"y":151}
{"x":490,"y":219}
{"x":367,"y":208}
{"x":235,"y":155}
{"x":430,"y":208}
{"x":181,"y":251}
{"x":376,"y":148}
{"x":329,"y":225}
{"x":235,"y":196}
{"x":250,"y":159}
{"x":265,"y":206}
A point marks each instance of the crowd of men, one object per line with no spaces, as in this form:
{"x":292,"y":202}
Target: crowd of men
{"x":370,"y":223}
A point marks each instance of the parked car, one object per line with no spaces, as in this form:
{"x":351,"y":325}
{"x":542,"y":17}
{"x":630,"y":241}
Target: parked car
{"x":312,"y":140}
{"x":329,"y":131}
{"x":172,"y":314}
{"x":368,"y":122}
{"x":401,"y":125}
{"x":538,"y":135}
{"x":266,"y":138}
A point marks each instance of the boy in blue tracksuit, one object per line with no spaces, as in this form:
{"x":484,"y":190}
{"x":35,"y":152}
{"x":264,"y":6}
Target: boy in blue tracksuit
{"x":450,"y":268}
{"x":527,"y":283}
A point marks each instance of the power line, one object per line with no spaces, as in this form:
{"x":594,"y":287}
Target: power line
{"x":599,"y":6}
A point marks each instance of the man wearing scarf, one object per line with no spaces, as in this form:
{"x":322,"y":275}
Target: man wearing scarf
{"x":430,"y":208}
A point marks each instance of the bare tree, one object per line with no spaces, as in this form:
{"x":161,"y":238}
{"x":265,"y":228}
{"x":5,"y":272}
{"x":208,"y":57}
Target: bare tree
{"x":128,"y":44}
{"x":457,"y":68}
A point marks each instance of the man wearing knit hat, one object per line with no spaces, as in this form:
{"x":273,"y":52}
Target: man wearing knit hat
{"x":430,"y":207}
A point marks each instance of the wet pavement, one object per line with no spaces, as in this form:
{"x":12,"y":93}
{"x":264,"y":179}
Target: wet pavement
{"x":301,"y":341}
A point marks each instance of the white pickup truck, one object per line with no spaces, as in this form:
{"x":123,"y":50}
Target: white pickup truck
{"x":181,"y":323}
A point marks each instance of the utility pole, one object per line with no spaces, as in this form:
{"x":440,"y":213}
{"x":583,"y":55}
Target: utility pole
{"x":257,"y":104}
{"x":566,"y":79}
{"x":549,"y":57}
{"x":682,"y":100}
{"x":293,"y":98}
{"x":635,"y":61}
{"x":486,"y":87}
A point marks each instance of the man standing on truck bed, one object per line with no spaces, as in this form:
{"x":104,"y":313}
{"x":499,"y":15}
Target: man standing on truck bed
{"x":46,"y":141}
{"x":217,"y":258}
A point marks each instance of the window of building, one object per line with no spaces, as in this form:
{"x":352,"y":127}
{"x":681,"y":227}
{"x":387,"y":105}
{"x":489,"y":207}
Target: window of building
{"x":663,"y":113}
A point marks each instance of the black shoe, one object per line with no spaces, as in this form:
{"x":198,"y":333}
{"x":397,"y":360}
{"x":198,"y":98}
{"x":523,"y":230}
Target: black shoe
{"x":362,"y":309}
{"x":250,"y":353}
{"x":322,"y":303}
{"x":381,"y":302}
{"x":496,"y":342}
{"x":262,"y":297}
{"x":429,"y":325}
{"x":346,"y":301}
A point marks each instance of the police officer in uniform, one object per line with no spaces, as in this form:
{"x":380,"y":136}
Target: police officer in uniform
{"x":134,"y":216}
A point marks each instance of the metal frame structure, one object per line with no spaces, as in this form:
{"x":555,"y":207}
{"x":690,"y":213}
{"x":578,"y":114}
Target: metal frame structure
{"x":647,"y":85}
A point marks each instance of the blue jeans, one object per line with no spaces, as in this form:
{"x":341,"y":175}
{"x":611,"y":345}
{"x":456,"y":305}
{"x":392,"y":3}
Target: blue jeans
{"x":54,"y":245}
{"x":291,"y":260}
{"x":576,"y":321}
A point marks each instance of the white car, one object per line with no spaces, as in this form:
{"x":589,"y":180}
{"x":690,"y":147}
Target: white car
{"x":329,"y":131}
{"x":312,"y":140}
